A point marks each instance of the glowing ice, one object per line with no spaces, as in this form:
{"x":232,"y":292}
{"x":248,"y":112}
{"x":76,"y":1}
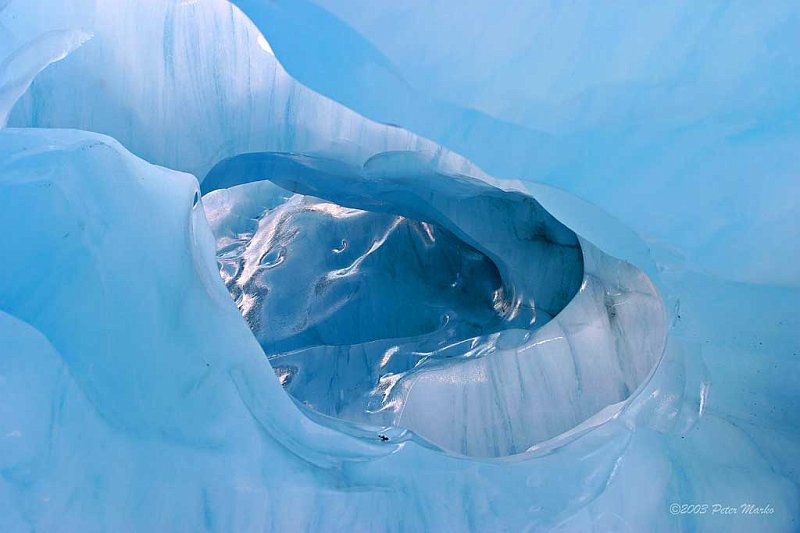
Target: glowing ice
{"x":134,"y":396}
{"x":438,"y":315}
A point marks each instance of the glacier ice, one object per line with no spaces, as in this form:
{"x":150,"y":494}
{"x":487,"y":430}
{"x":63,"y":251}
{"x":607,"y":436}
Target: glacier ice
{"x":134,"y":396}
{"x":21,"y":66}
{"x":679,"y":119}
{"x":431,"y":302}
{"x":151,"y":393}
{"x":210,"y":94}
{"x":107,"y":416}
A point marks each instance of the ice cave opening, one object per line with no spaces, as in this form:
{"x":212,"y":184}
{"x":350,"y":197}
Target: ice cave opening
{"x":396,"y":296}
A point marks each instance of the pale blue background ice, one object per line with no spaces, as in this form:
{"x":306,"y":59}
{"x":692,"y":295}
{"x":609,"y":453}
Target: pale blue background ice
{"x":133,"y":396}
{"x":683,"y":120}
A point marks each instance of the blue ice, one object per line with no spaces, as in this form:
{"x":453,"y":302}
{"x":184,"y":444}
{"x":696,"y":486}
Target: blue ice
{"x":549,"y":284}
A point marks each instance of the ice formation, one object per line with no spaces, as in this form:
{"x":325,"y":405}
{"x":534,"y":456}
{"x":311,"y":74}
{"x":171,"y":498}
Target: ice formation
{"x":241,"y":100}
{"x":460,"y":352}
{"x":432,"y":302}
{"x":680,"y":120}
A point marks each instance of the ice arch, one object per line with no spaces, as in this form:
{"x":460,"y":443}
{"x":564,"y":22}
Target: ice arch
{"x":540,"y":330}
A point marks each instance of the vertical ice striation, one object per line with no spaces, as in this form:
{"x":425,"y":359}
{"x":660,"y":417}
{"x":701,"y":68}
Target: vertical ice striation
{"x":21,"y":66}
{"x":681,"y":119}
{"x":188,"y":84}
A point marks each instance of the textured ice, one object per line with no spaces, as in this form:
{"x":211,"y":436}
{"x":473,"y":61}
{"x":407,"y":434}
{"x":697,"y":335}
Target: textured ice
{"x":682,"y":120}
{"x":427,"y":301}
{"x":199,"y":73}
{"x":21,"y":66}
{"x":481,"y":355}
{"x":151,"y":393}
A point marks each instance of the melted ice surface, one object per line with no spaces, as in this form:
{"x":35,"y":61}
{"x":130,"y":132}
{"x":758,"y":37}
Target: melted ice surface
{"x":387,"y":320}
{"x":316,"y":273}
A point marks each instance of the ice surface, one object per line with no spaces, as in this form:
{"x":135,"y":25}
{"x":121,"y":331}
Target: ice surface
{"x":133,"y":375}
{"x":199,"y":73}
{"x":441,"y":323}
{"x":20,"y":67}
{"x":149,"y":392}
{"x":680,"y":119}
{"x":133,"y":395}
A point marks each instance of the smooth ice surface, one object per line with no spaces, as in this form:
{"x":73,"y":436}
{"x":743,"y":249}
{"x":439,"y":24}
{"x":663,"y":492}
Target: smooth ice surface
{"x":133,"y":395}
{"x":481,"y":366}
{"x":125,"y":247}
{"x":151,"y":392}
{"x":21,"y":66}
{"x":199,"y":73}
{"x":680,"y":119}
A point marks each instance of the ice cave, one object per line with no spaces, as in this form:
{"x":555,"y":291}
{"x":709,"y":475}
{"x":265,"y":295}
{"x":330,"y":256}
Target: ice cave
{"x":361,"y":265}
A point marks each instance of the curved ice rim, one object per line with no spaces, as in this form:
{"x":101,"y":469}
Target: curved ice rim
{"x":400,"y":434}
{"x":386,"y":183}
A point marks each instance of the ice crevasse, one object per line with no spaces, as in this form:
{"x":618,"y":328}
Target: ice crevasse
{"x":455,"y":356}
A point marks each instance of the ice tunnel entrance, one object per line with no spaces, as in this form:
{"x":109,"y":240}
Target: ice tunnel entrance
{"x":396,"y":296}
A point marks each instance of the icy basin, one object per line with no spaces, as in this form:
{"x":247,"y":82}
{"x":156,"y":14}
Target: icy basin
{"x":396,"y":295}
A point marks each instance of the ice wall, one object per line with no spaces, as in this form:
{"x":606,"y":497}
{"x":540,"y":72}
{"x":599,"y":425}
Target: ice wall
{"x":198,"y":73}
{"x":527,"y":334}
{"x":129,"y":380}
{"x":134,"y":397}
{"x":680,"y":119}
